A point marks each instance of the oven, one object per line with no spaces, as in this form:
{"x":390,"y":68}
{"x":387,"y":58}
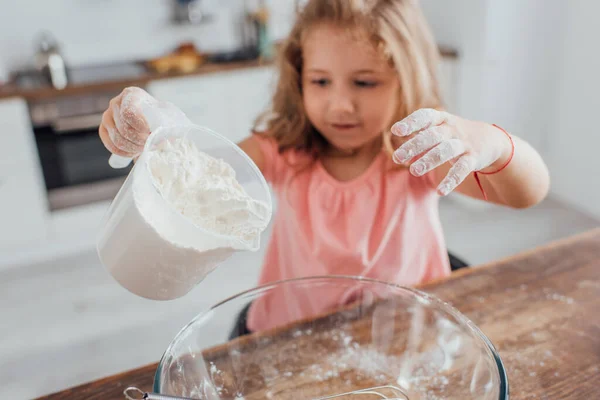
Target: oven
{"x":73,"y":159}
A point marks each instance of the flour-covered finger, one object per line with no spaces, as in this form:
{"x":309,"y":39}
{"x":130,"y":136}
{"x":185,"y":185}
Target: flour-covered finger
{"x":127,"y":131}
{"x":110,"y":146}
{"x":457,"y":174}
{"x":422,"y":142}
{"x":441,"y":154}
{"x":128,"y":113}
{"x":419,"y":120}
{"x":116,"y":137}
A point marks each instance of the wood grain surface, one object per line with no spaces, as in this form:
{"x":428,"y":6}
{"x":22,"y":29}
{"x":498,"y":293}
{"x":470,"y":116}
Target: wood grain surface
{"x":541,"y":310}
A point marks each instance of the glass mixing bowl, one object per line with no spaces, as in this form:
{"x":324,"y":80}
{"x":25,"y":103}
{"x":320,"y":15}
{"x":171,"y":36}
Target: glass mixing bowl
{"x":401,"y":342}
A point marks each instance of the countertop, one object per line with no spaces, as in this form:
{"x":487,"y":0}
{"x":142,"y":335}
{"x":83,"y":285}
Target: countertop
{"x":116,"y":85}
{"x":539,"y":309}
{"x":41,"y":93}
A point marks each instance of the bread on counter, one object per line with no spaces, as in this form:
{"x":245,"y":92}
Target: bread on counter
{"x":186,"y":58}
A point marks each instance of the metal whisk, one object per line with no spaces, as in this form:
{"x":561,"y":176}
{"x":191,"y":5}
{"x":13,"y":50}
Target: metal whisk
{"x":377,"y":392}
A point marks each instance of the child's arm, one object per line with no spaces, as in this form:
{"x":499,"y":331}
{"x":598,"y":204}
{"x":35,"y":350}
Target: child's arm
{"x":523,"y":183}
{"x":454,"y":148}
{"x":251,"y":147}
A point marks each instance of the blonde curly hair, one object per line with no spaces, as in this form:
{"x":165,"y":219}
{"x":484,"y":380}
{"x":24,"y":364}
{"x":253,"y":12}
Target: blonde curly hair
{"x":397,"y":28}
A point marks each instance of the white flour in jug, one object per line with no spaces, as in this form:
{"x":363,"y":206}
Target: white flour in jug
{"x":205,"y":190}
{"x":157,"y":254}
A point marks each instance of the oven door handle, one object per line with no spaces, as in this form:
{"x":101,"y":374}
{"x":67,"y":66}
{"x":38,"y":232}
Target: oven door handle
{"x":66,"y":125}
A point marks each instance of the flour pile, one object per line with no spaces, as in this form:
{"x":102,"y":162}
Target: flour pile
{"x":205,"y":190}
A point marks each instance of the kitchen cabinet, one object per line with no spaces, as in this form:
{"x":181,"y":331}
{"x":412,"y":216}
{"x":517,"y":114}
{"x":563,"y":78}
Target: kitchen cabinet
{"x":22,"y":213}
{"x":226,"y":102}
{"x":23,"y":205}
{"x":200,"y":98}
{"x":251,"y":95}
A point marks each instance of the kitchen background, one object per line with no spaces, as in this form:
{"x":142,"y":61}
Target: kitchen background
{"x":530,"y":66}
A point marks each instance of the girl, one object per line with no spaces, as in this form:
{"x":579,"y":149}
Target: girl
{"x":358,"y":193}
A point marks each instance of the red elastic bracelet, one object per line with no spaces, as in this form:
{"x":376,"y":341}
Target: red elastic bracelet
{"x":512,"y":153}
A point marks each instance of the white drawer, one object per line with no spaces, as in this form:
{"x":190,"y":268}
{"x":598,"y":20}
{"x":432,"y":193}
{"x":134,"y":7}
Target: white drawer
{"x":252,"y":95}
{"x":16,"y":134}
{"x":201,"y":98}
{"x":23,"y":208}
{"x":203,"y":89}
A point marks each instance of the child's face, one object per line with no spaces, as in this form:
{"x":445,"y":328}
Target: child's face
{"x":350,"y":92}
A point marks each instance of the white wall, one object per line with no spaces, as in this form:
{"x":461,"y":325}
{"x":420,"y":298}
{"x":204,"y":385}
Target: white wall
{"x":96,"y":31}
{"x":508,"y":59}
{"x":460,"y":24}
{"x":533,"y":67}
{"x":523,"y":44}
{"x":573,"y":136}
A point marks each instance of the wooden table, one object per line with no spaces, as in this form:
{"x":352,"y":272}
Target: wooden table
{"x":541,"y":309}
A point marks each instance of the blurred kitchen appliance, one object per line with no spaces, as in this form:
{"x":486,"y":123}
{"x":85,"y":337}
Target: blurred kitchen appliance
{"x":50,"y":62}
{"x":190,"y":12}
{"x":74,"y":160}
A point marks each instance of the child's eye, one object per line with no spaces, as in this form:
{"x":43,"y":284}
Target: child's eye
{"x":365,"y":83}
{"x":320,"y":82}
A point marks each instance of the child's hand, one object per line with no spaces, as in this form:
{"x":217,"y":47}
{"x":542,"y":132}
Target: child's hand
{"x":130,"y":118}
{"x":436,"y":138}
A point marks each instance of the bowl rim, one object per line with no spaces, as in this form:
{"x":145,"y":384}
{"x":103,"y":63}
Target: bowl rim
{"x":447,"y":307}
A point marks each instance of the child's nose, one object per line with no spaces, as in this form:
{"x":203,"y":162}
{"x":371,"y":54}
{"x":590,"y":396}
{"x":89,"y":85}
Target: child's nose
{"x":342,"y":101}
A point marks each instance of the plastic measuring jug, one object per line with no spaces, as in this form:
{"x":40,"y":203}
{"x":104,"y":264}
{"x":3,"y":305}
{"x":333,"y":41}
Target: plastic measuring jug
{"x":152,"y":249}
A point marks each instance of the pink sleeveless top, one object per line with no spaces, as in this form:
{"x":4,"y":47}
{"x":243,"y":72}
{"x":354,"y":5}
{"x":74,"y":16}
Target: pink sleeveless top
{"x":383,"y":225}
